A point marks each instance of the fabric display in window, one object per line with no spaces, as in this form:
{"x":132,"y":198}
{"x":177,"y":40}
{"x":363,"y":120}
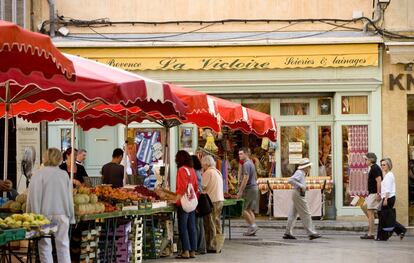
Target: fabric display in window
{"x":210,"y":145}
{"x":357,"y":148}
{"x":146,"y":142}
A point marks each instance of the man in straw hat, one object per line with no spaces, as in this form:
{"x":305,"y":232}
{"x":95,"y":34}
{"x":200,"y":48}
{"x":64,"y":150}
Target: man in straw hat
{"x":299,"y":205}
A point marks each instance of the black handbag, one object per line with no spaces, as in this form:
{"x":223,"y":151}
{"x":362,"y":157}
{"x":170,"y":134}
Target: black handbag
{"x":205,"y":206}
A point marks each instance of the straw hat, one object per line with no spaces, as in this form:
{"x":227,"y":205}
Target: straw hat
{"x":303,"y":163}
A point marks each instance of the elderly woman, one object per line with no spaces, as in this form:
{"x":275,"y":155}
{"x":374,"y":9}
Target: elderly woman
{"x":186,"y":221}
{"x":50,"y":194}
{"x":388,"y":201}
{"x":212,"y":184}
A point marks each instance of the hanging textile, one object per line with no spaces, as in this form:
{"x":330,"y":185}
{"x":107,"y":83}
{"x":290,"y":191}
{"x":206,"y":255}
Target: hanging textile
{"x":145,"y":142}
{"x":357,"y":148}
{"x":225,"y":172}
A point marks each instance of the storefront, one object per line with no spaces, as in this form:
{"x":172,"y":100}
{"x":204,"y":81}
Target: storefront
{"x":398,"y":123}
{"x":324,"y":98}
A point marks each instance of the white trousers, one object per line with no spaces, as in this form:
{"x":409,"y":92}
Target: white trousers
{"x":299,"y":206}
{"x":61,"y":241}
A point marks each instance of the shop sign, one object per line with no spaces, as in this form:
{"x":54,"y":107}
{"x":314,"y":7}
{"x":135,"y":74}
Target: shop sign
{"x":233,"y":58}
{"x":237,"y":63}
{"x":401,"y":81}
{"x":27,"y":136}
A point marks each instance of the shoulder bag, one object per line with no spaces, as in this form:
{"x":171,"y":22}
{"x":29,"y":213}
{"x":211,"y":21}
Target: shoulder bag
{"x":189,"y":200}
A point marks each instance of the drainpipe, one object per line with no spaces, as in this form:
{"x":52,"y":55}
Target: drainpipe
{"x":378,"y":16}
{"x":51,"y":17}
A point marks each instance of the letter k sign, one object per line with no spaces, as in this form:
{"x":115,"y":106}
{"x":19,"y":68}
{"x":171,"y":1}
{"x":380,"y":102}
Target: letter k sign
{"x":396,"y":81}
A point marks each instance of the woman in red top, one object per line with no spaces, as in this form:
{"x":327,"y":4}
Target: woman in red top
{"x":186,"y":221}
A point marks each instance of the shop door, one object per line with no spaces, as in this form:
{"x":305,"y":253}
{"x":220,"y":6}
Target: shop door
{"x":99,"y":145}
{"x":410,"y":135}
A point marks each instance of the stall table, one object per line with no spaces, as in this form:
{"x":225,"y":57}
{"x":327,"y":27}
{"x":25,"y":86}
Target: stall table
{"x":232,"y":208}
{"x":282,"y":201}
{"x":111,"y":221}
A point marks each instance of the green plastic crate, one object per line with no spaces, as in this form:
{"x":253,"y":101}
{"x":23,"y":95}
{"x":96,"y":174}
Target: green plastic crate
{"x":2,"y":239}
{"x":15,"y":234}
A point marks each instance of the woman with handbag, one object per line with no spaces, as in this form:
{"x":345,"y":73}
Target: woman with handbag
{"x":387,"y":204}
{"x":212,"y":183}
{"x":201,"y":239}
{"x":186,"y":201}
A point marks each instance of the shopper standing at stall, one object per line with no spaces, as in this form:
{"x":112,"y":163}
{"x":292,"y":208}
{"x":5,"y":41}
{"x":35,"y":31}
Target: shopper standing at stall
{"x":248,"y":190}
{"x":201,"y":239}
{"x":373,"y":200}
{"x":186,"y":220}
{"x":212,"y":184}
{"x":50,"y":194}
{"x":299,"y":203}
{"x":81,"y":157}
{"x":79,"y":172}
{"x":113,"y":172}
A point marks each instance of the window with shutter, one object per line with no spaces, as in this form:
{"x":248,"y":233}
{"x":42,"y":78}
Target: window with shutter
{"x":13,"y":11}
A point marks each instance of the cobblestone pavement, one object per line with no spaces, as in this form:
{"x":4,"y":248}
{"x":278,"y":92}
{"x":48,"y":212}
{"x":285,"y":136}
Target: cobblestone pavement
{"x":335,"y":246}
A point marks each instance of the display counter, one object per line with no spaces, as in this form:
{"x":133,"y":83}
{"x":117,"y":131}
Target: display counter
{"x":282,"y":201}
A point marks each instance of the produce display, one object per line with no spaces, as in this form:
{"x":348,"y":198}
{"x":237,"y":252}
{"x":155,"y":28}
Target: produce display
{"x":282,"y":183}
{"x":26,"y":220}
{"x":145,"y":193}
{"x":107,"y":193}
{"x":87,"y":202}
{"x":229,"y":196}
{"x":18,"y":205}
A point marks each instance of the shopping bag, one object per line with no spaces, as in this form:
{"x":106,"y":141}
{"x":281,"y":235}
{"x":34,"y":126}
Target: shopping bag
{"x":388,"y":219}
{"x":205,"y":206}
{"x":189,"y":200}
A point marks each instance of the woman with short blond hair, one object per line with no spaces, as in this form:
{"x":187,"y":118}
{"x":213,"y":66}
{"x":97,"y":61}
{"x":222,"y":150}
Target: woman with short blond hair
{"x":50,"y":194}
{"x":388,"y":193}
{"x":212,"y":184}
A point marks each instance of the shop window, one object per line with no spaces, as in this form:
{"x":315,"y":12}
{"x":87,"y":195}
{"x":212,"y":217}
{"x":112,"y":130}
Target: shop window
{"x":325,"y":151}
{"x":13,"y":11}
{"x":294,"y":146}
{"x":324,"y":106}
{"x":291,"y":107}
{"x":354,"y":167}
{"x":65,"y":138}
{"x":354,"y":105}
{"x":258,"y":105}
{"x":186,"y":139}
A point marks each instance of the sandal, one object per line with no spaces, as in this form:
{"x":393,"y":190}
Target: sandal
{"x":366,"y":236}
{"x":181,"y":257}
{"x":402,"y":235}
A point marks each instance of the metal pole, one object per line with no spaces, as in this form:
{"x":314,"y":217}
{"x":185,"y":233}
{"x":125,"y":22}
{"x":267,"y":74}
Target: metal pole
{"x":72,"y":141}
{"x":166,"y":183}
{"x":126,"y":148}
{"x":6,"y":130}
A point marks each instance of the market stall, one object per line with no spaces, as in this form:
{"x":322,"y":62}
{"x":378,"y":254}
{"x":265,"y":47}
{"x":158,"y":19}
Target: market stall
{"x":317,"y":187}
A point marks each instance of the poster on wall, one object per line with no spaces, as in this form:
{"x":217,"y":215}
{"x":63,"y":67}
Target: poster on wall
{"x":294,"y":158}
{"x":295,"y":147}
{"x":28,"y":150}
